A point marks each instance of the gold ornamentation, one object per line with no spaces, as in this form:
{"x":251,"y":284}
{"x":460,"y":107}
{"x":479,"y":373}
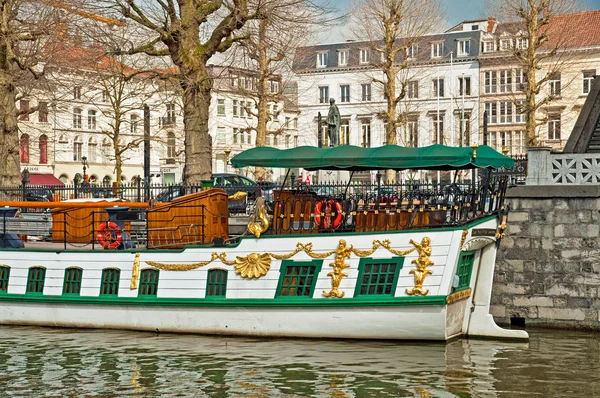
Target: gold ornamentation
{"x":465,"y":232}
{"x":253,"y":266}
{"x":135,"y":272}
{"x":256,"y":228}
{"x":191,"y":266}
{"x":341,"y":253}
{"x":501,"y":233}
{"x":422,"y":262}
{"x":238,"y":195}
{"x":454,"y":297}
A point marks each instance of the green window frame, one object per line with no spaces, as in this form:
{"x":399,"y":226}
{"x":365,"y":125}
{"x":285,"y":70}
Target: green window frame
{"x":148,"y":282}
{"x":4,"y":275}
{"x":216,"y":283}
{"x":298,"y":278}
{"x":35,"y":280}
{"x":464,"y":270}
{"x":110,"y":282}
{"x":72,"y":281}
{"x":378,"y":277}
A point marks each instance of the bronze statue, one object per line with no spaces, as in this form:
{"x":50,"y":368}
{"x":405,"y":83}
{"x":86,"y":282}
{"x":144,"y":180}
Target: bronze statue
{"x":333,"y":124}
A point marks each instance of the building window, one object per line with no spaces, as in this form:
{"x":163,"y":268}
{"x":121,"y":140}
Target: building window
{"x":366,"y":91}
{"x":365,"y":57}
{"x":77,"y":118}
{"x":235,"y":108}
{"x":76,"y":92}
{"x":106,"y":149}
{"x":464,"y":269}
{"x":492,"y":140}
{"x":520,"y":115}
{"x":24,"y":147}
{"x":521,"y":43}
{"x":170,"y":114}
{"x":148,"y":282}
{"x":437,"y":49}
{"x":505,"y":81}
{"x":220,"y":135}
{"x":221,"y":107}
{"x":365,"y":128}
{"x":412,"y":130}
{"x":24,"y":108}
{"x":273,"y":86}
{"x":412,"y":51}
{"x":488,"y":46}
{"x":505,"y":44}
{"x":92,"y":145}
{"x":345,"y":93}
{"x":378,"y":277}
{"x":519,"y":142}
{"x":216,"y":284}
{"x":438,"y":129}
{"x":298,"y":278}
{"x":4,"y":275}
{"x":236,"y":134}
{"x":464,"y":82}
{"x":72,"y":284}
{"x":77,"y":148}
{"x":171,"y":150}
{"x":489,"y":81}
{"x":248,"y":138}
{"x":588,"y":78}
{"x":343,"y":58}
{"x":345,"y":132}
{"x":492,"y":112}
{"x":438,"y":88}
{"x":323,"y":94}
{"x":43,"y":144}
{"x":109,"y":285}
{"x":554,"y":84}
{"x":35,"y":280}
{"x":413,"y":89}
{"x":43,"y":112}
{"x":506,"y":112}
{"x":287,"y":141}
{"x":464,"y":48}
{"x":464,"y":127}
{"x":520,"y":80}
{"x":91,"y":122}
{"x":322,"y":59}
{"x":506,"y":140}
{"x":134,"y":121}
{"x":554,"y":127}
{"x":104,"y":96}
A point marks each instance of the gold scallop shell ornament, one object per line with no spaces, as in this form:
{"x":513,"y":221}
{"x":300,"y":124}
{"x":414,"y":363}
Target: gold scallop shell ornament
{"x":254,"y":265}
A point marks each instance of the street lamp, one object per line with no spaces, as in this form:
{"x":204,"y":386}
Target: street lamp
{"x":84,"y":162}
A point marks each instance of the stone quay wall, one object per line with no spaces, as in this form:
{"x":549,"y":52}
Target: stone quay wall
{"x":548,"y":267}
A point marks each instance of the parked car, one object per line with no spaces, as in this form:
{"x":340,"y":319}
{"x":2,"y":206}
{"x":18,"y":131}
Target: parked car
{"x":39,"y":194}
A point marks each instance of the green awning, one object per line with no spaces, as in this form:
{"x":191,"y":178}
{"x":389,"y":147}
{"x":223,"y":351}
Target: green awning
{"x":353,"y":158}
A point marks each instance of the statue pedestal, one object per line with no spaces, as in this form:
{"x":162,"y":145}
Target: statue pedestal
{"x":333,"y":176}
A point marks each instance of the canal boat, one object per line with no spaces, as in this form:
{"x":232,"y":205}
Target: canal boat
{"x":404,"y":261}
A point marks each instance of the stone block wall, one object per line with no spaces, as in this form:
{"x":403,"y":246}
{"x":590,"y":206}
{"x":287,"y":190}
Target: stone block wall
{"x":548,"y":267}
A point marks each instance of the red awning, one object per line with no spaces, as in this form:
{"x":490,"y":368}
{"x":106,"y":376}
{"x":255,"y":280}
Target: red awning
{"x":45,"y":179}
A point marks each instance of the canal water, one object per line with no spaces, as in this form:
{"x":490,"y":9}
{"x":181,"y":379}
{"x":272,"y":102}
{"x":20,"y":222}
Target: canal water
{"x":44,"y":362}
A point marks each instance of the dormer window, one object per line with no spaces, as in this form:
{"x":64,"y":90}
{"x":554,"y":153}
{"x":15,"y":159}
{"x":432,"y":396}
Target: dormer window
{"x":437,"y":49}
{"x":522,"y":43}
{"x":364,"y":56}
{"x":488,"y":46}
{"x":505,"y":44}
{"x":411,"y":52}
{"x":464,"y":48}
{"x":322,"y":59}
{"x":343,"y":58}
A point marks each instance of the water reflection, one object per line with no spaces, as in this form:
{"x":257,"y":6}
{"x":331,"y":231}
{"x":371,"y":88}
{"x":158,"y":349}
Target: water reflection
{"x":59,"y":362}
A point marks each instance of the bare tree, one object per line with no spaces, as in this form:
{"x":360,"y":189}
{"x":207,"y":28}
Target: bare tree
{"x":541,"y":39}
{"x":25,"y":31}
{"x":392,"y":28}
{"x":190,"y":32}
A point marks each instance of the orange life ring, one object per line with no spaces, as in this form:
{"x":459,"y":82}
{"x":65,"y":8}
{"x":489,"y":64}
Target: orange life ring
{"x":326,"y":214}
{"x":106,"y":238}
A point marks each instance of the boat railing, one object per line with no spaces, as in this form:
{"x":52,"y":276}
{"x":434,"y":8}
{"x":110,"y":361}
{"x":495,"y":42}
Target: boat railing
{"x":331,"y":208}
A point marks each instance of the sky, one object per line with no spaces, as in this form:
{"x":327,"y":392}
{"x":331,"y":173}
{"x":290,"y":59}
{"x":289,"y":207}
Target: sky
{"x":456,"y":11}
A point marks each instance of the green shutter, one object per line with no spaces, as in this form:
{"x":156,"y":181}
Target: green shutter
{"x":464,"y":269}
{"x":148,"y":282}
{"x":72,"y":284}
{"x":298,"y":278}
{"x":4,"y":274}
{"x":216,"y":284}
{"x":378,"y":277}
{"x":110,"y":282}
{"x":35,"y":280}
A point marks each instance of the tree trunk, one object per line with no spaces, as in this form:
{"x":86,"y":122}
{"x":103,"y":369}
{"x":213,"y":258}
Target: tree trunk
{"x":10,"y":167}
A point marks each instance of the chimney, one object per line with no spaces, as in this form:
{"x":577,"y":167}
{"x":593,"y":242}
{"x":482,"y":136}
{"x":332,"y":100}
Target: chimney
{"x":491,"y":24}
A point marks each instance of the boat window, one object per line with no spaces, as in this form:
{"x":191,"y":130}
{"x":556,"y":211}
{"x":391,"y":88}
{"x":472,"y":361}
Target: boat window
{"x":4,"y":274}
{"x":464,"y":269}
{"x":110,"y":282}
{"x":148,"y":282}
{"x":35,"y":280}
{"x":298,"y":278}
{"x":378,"y":276}
{"x":216,"y":284}
{"x":72,"y":280}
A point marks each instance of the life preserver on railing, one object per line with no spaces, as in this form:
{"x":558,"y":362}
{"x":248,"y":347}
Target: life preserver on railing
{"x":325,"y":212}
{"x":109,"y":235}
